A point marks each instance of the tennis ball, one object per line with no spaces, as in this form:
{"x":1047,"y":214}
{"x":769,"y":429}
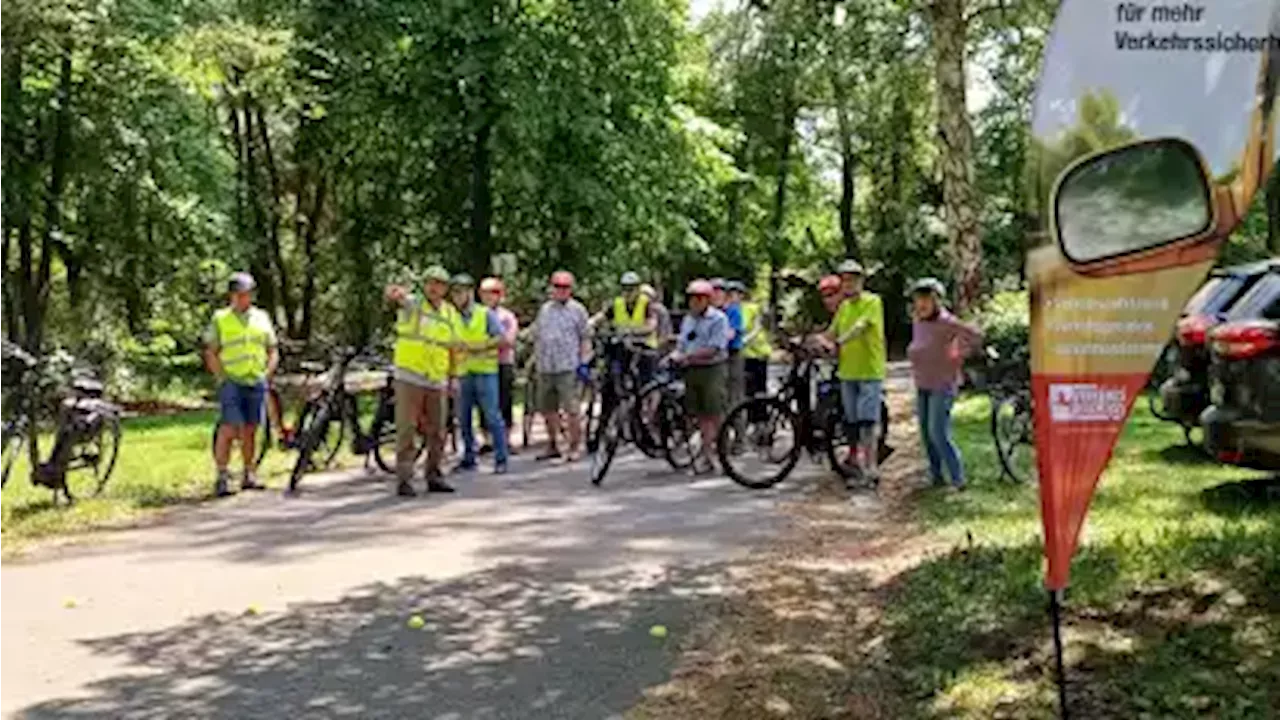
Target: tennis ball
{"x":658,"y":631}
{"x":416,"y":622}
{"x":69,"y":603}
{"x":254,"y":609}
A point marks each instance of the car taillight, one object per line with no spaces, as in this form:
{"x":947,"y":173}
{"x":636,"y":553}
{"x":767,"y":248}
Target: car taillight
{"x":1192,"y":329}
{"x":1243,"y":341}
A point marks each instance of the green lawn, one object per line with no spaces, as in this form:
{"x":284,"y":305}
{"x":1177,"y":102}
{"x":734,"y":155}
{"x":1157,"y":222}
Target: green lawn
{"x":1173,"y":611}
{"x":164,"y":461}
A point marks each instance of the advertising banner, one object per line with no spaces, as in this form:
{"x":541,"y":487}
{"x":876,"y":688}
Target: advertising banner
{"x":1152,"y":131}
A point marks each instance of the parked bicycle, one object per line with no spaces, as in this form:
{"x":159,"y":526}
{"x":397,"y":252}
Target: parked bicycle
{"x":762,"y":437}
{"x":335,"y":410}
{"x":654,"y":420}
{"x":86,"y":432}
{"x":1012,"y":426}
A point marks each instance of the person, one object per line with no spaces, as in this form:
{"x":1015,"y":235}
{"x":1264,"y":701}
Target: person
{"x":756,"y":348}
{"x":425,"y":339}
{"x":702,"y":349}
{"x":663,"y":330}
{"x":561,"y":346}
{"x":492,"y":294}
{"x":832,"y":292}
{"x":732,"y":308}
{"x":481,"y":336}
{"x":858,"y":332}
{"x":939,"y":341}
{"x":241,"y":353}
{"x":632,"y":314}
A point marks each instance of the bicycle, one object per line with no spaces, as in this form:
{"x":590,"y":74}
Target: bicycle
{"x":335,"y":409}
{"x":86,"y":432}
{"x":667,"y":431}
{"x":616,"y":376}
{"x":1012,"y":417}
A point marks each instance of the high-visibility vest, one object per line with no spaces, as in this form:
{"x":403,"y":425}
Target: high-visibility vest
{"x":242,"y":343}
{"x":635,"y":320}
{"x":423,"y":336}
{"x":475,"y":331}
{"x":759,"y":347}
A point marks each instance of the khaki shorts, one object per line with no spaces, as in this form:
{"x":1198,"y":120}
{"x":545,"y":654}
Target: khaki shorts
{"x":704,"y":389}
{"x":558,"y":391}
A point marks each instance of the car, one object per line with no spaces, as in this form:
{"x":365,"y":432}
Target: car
{"x":1242,"y":423}
{"x":1185,"y":394}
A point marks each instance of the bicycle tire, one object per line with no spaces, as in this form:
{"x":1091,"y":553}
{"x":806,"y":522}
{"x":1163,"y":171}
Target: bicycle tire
{"x":611,"y":439}
{"x":740,"y":416}
{"x":527,"y":412}
{"x":14,"y":440}
{"x":838,"y":444}
{"x":650,"y":439}
{"x":1010,"y":434}
{"x":102,"y":464}
{"x":678,"y":431}
{"x":326,"y":450}
{"x":307,"y":442}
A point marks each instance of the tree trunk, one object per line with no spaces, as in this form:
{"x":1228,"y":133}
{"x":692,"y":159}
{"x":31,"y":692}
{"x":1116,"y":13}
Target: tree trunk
{"x":309,"y":255}
{"x":786,"y":132}
{"x":260,"y":258}
{"x":53,"y":208}
{"x":481,"y":200}
{"x":15,"y":209}
{"x":273,"y":223}
{"x":848,"y":164}
{"x":959,"y":196}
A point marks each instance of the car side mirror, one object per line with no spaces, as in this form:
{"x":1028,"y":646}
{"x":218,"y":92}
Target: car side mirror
{"x":1143,"y":203}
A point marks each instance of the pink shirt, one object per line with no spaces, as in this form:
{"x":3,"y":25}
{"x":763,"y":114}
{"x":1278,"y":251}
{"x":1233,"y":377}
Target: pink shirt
{"x":510,"y":328}
{"x":937,"y":350}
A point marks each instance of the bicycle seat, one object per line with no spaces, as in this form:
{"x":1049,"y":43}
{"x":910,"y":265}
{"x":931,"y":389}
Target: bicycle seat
{"x":87,"y":387}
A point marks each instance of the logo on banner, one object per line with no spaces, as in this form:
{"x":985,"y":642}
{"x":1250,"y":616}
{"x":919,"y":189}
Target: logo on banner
{"x":1086,"y":402}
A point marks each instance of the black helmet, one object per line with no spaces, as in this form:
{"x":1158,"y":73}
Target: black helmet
{"x":928,"y":286}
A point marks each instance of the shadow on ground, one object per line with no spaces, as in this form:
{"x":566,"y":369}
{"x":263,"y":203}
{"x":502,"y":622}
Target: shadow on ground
{"x":511,"y":642}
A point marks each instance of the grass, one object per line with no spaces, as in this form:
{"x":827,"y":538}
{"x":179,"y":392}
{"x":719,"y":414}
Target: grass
{"x":164,"y":461}
{"x":1173,"y":609}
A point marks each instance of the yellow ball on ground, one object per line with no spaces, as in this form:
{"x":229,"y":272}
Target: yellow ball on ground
{"x":69,"y":603}
{"x":254,"y":610}
{"x":658,"y":631}
{"x":417,"y":623}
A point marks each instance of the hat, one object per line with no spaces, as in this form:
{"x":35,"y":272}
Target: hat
{"x":849,"y":267}
{"x":492,"y":284}
{"x":629,"y":279}
{"x":437,"y":273}
{"x":241,"y":282}
{"x":735,"y":286}
{"x":699,"y":287}
{"x":462,"y":280}
{"x":829,"y":284}
{"x":926,"y":286}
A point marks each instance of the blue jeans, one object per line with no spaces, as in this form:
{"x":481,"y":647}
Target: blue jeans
{"x":933,"y":408}
{"x":482,"y":391}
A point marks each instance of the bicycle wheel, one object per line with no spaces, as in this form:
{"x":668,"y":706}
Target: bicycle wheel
{"x":527,"y":412}
{"x":841,"y":449}
{"x":1011,"y":427}
{"x":646,"y":422}
{"x":678,"y":432}
{"x":590,"y":422}
{"x":330,"y":438}
{"x":610,"y":440}
{"x":95,"y":452}
{"x":309,"y":439}
{"x":769,"y":448}
{"x":14,"y":438}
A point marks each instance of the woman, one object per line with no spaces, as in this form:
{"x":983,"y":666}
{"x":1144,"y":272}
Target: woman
{"x":939,"y":342}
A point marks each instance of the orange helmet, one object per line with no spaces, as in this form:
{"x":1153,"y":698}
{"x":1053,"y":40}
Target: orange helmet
{"x":562,"y":277}
{"x":829,"y":284}
{"x":492,"y":284}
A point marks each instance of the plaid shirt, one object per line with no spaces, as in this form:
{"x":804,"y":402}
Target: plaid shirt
{"x":560,"y":329}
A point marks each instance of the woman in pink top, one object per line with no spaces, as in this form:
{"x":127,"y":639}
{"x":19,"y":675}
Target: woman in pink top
{"x":939,"y":342}
{"x":492,"y":293}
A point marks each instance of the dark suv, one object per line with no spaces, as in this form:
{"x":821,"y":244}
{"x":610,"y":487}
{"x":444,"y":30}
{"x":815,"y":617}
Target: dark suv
{"x":1186,"y":393}
{"x":1242,"y":426}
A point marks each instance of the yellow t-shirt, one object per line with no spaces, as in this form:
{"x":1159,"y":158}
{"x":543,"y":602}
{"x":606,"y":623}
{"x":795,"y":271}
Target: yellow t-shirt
{"x":863,"y":356}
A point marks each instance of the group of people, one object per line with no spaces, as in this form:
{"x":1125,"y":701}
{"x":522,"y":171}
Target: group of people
{"x":454,"y":342}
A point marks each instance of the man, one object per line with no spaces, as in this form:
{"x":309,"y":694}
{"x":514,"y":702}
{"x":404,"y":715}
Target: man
{"x":561,"y":346}
{"x":240,"y":352}
{"x":662,"y":327}
{"x":425,"y":339}
{"x":492,"y":294}
{"x":702,"y":349}
{"x":480,"y":335}
{"x":632,"y":314}
{"x":755,"y":348}
{"x":732,"y":308}
{"x":858,"y":332}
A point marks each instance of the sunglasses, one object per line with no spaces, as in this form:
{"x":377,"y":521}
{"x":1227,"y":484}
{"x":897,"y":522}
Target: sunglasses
{"x":559,"y":286}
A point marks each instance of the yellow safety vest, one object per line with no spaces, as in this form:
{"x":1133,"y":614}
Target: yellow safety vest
{"x":475,"y":331}
{"x":242,"y":343}
{"x":423,"y":337}
{"x":759,"y":347}
{"x":635,"y":320}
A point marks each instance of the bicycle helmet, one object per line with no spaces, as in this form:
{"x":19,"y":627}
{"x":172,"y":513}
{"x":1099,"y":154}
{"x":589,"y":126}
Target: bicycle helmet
{"x":928,"y":286}
{"x":829,"y":284}
{"x":241,"y":282}
{"x":717,"y":283}
{"x":699,"y":287}
{"x":492,"y":284}
{"x":849,"y":266}
{"x":437,"y":273}
{"x":462,"y":280}
{"x":629,"y":279}
{"x":562,"y":277}
{"x":734,"y":286}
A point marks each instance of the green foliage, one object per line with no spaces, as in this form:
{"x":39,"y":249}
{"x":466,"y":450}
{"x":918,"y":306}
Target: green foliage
{"x":1005,"y":322}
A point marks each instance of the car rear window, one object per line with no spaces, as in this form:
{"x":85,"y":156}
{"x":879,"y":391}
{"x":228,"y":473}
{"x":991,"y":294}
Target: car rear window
{"x":1262,"y":301}
{"x":1214,"y":296}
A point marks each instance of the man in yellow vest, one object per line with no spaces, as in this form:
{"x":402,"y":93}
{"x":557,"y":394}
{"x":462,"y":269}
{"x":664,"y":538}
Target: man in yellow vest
{"x":480,"y":334}
{"x":425,"y":340}
{"x":240,"y":351}
{"x":632,"y":314}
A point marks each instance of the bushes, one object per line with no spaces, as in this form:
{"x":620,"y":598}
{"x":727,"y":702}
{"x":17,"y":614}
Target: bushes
{"x":1005,"y":321}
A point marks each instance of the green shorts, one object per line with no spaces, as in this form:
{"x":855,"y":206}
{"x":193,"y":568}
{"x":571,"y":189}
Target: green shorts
{"x":558,"y":391}
{"x":705,"y":389}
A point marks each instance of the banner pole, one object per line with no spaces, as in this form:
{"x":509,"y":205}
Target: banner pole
{"x":1055,"y":612}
